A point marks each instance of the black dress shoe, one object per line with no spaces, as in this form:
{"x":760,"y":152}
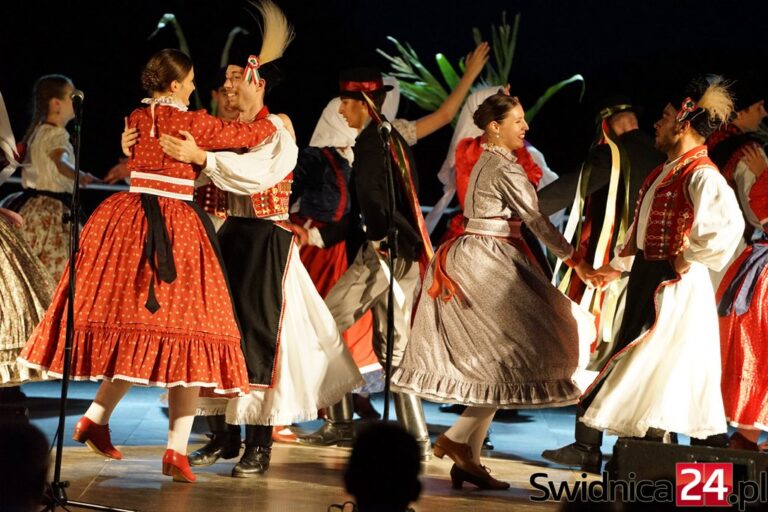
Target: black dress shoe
{"x":587,"y":458}
{"x":452,"y":408}
{"x":340,"y":433}
{"x":223,"y":445}
{"x":255,"y":461}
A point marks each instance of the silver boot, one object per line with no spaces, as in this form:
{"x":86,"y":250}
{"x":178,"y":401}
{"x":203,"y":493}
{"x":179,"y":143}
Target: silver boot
{"x":410,"y":414}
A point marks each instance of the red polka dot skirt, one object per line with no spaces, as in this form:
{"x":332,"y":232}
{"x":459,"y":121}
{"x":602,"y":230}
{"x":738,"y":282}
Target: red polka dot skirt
{"x":192,"y":339}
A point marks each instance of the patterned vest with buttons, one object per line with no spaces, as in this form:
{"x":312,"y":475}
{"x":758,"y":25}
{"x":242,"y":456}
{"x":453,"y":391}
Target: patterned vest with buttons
{"x":274,"y":200}
{"x":671,"y":215}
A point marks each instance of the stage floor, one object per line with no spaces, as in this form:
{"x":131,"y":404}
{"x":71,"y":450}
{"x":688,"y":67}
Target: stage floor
{"x":300,"y":478}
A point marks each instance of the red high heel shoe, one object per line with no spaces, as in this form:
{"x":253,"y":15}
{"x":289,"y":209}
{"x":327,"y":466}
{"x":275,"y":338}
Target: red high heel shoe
{"x":96,"y":437}
{"x":176,"y":465}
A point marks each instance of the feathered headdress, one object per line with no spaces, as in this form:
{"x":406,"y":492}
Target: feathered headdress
{"x":276,"y":35}
{"x":709,"y":104}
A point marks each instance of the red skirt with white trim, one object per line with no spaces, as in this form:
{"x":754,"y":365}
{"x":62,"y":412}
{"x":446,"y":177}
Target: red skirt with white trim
{"x":191,"y":340}
{"x":744,"y":353}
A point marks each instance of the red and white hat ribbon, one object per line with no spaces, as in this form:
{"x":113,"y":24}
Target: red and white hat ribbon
{"x":251,"y":69}
{"x":687,"y":107}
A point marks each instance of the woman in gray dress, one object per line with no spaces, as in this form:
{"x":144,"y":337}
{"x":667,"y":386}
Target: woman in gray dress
{"x":491,"y":331}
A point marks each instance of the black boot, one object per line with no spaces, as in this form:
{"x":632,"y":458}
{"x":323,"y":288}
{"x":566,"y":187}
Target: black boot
{"x":338,"y":428}
{"x":224,"y":443}
{"x":584,"y":453}
{"x":258,"y":451}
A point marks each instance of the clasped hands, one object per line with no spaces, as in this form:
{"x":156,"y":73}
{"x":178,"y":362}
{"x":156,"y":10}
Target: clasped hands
{"x":604,"y":275}
{"x":596,"y":278}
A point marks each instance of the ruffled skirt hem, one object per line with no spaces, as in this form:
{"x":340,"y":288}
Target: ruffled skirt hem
{"x":510,"y":395}
{"x":165,"y":359}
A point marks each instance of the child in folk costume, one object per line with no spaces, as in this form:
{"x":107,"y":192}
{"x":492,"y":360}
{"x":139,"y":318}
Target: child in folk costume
{"x":47,"y":174}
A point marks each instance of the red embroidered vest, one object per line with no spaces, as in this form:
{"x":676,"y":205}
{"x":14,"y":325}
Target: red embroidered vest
{"x":274,"y":200}
{"x":671,"y":215}
{"x":211,"y":198}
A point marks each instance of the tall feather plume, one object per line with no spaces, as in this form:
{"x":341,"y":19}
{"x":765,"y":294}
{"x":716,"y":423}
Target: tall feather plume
{"x":717,"y":101}
{"x":276,"y":32}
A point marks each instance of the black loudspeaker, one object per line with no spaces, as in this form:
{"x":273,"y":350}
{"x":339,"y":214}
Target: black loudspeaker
{"x":654,"y":463}
{"x":649,"y":460}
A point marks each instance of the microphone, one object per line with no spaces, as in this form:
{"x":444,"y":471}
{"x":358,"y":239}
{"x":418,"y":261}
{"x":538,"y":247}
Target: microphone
{"x":385,"y":128}
{"x":77,"y":95}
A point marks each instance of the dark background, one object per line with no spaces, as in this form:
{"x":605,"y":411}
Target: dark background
{"x":646,"y":49}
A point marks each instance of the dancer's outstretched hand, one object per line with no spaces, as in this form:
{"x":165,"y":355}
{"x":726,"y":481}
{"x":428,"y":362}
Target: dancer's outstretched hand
{"x":476,"y":60}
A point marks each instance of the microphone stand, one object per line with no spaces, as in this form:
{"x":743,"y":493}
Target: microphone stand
{"x":391,"y":255}
{"x":56,"y":494}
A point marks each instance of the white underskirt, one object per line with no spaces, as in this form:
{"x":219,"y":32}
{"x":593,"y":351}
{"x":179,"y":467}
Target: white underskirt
{"x":315,"y":368}
{"x":670,"y":380}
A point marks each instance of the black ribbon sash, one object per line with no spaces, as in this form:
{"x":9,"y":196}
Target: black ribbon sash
{"x":157,"y":249}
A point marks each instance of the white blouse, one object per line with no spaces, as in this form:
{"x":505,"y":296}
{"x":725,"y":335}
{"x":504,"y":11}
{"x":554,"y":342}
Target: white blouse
{"x":262,"y":167}
{"x":40,"y":172}
{"x":717,"y":220}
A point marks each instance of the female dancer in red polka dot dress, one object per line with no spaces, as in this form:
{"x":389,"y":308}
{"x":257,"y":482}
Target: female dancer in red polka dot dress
{"x":152,"y":305}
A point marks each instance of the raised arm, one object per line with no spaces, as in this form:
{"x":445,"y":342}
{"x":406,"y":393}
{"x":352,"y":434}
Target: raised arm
{"x":474,"y":64}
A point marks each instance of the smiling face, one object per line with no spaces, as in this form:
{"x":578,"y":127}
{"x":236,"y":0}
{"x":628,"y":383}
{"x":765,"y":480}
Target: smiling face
{"x":510,"y":132}
{"x":242,"y":94}
{"x":226,"y":111}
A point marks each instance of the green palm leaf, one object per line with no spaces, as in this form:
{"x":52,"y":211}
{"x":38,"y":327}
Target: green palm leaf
{"x":449,"y":74}
{"x":544,"y":98}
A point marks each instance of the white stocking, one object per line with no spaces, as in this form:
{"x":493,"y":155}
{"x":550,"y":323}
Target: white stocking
{"x":181,"y":413}
{"x":107,"y":397}
{"x":471,"y":428}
